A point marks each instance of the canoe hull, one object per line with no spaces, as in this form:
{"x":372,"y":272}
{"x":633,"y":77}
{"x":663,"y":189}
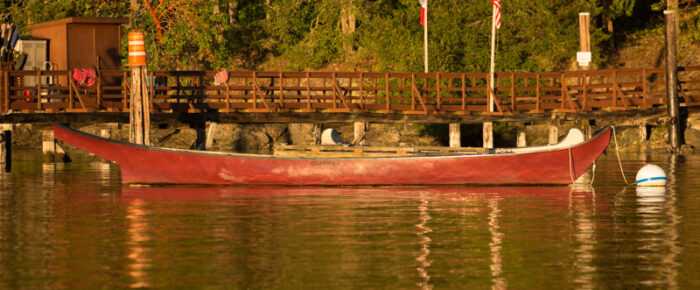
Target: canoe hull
{"x":150,"y":165}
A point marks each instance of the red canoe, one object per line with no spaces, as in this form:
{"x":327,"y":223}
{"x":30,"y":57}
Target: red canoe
{"x":561,"y":163}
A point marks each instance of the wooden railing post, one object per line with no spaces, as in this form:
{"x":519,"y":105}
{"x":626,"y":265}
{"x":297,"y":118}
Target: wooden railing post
{"x":512,"y":93}
{"x":228,"y":96}
{"x":255,"y":90}
{"x":6,"y":90}
{"x":308,"y":92}
{"x":125,"y":90}
{"x":281,"y":89}
{"x":585,"y":91}
{"x":644,"y":89}
{"x":38,"y":90}
{"x":70,"y":90}
{"x":388,"y":99}
{"x":562,"y":79}
{"x":464,"y":94}
{"x":538,"y":107}
{"x":99,"y":91}
{"x":413,"y":92}
{"x":362,"y":97}
{"x":614,"y":89}
{"x":335,"y":102}
{"x":489,"y":93}
{"x":437,"y":86}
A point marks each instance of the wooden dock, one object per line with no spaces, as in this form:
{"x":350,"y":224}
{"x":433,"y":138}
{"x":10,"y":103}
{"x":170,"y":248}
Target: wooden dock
{"x":347,"y":96}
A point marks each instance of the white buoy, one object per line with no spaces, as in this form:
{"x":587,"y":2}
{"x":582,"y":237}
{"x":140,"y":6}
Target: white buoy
{"x":651,"y":175}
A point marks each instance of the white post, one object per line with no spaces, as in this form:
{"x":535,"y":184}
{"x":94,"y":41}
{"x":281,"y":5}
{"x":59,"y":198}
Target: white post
{"x":488,"y":126}
{"x":492,"y":82}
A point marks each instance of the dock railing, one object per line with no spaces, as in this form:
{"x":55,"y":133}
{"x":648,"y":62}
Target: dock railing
{"x":399,"y":93}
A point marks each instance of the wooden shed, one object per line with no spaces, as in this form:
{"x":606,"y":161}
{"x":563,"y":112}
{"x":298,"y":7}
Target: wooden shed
{"x":78,"y":42}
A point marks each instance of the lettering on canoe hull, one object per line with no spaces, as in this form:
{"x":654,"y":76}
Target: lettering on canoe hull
{"x":326,"y":163}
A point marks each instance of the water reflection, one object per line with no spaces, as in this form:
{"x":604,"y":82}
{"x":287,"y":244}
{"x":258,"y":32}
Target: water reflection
{"x":103,"y":171}
{"x":658,"y":222}
{"x":62,"y":222}
{"x":138,"y":235}
{"x":352,"y":224}
{"x":582,"y":209}
{"x":423,"y":230}
{"x":496,"y":266}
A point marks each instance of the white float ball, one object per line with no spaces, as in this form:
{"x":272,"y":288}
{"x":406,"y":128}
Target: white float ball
{"x":651,"y":175}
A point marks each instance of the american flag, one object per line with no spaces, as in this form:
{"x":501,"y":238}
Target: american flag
{"x":497,"y":17}
{"x":423,"y":17}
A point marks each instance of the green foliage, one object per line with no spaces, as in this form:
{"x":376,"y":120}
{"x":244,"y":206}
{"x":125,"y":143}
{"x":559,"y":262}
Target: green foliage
{"x":308,"y":34}
{"x":693,"y":23}
{"x":28,"y":12}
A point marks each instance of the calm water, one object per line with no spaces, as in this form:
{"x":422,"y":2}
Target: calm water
{"x":74,"y":226}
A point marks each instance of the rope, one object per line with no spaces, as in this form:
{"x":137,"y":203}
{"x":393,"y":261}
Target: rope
{"x":619,"y":161}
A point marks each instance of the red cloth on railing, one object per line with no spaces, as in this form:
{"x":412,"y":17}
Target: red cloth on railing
{"x":221,"y":77}
{"x":84,"y":76}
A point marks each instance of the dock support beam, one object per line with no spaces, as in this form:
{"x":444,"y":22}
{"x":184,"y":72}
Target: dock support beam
{"x":488,"y":134}
{"x":360,"y":131}
{"x":211,"y":132}
{"x":521,"y":135}
{"x":51,"y":148}
{"x":674,"y":125}
{"x":5,"y":148}
{"x":455,"y":135}
{"x":643,"y":134}
{"x":316,"y":132}
{"x":553,"y":131}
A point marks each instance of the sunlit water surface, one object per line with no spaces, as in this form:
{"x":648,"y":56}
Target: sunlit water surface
{"x":74,"y":226}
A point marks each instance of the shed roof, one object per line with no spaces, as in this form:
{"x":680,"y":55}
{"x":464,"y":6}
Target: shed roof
{"x":79,"y":20}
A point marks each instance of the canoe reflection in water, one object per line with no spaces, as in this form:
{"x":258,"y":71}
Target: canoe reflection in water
{"x":260,"y":220}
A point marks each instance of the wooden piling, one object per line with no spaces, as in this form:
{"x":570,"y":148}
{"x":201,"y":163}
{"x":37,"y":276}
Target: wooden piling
{"x":521,"y":135}
{"x":488,"y":134}
{"x":360,"y":131}
{"x":674,"y":126}
{"x":51,"y":148}
{"x":211,"y":132}
{"x":584,"y":23}
{"x":139,"y":115}
{"x":5,"y":150}
{"x":553,"y":131}
{"x":643,"y":134}
{"x":455,"y":135}
{"x":48,"y":145}
{"x":316,"y":132}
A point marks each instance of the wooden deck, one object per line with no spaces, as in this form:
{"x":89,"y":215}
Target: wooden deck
{"x":442,"y":95}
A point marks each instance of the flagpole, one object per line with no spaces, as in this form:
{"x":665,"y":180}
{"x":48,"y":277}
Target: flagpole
{"x":492,"y":83}
{"x":425,"y":39}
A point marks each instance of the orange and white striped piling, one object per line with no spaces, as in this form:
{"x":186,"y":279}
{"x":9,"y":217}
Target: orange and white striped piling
{"x":137,"y":49}
{"x":139,"y":115}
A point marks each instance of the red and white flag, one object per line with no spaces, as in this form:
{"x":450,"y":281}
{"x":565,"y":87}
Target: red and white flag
{"x":423,"y":15}
{"x":497,"y":16}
